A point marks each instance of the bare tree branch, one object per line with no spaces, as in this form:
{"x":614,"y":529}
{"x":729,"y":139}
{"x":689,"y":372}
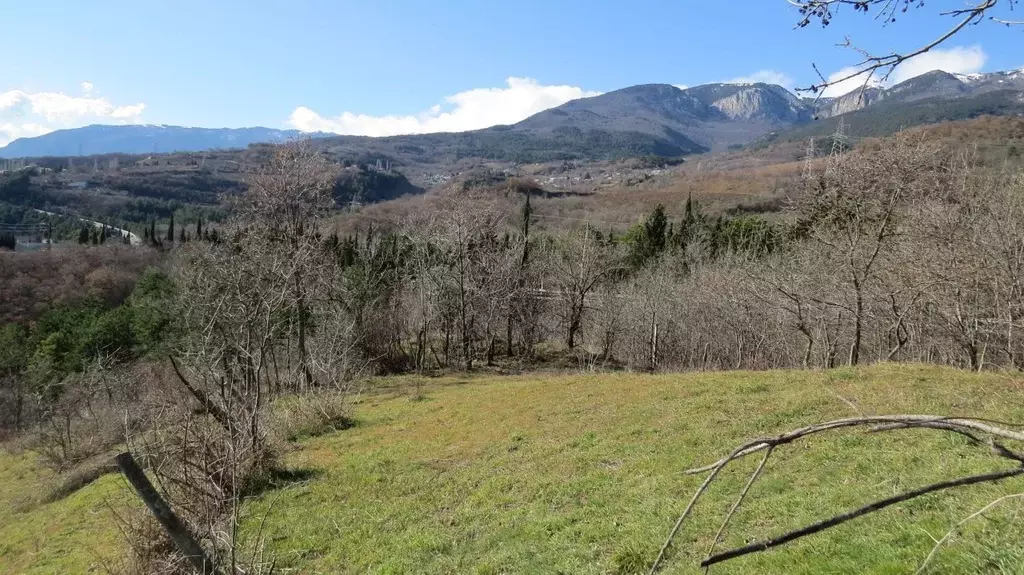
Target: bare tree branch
{"x":824,"y":12}
{"x":964,"y":426}
{"x":870,"y":508}
{"x":955,"y":528}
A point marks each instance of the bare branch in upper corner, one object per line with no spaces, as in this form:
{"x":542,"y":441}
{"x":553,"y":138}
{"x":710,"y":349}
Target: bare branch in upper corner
{"x":882,"y":65}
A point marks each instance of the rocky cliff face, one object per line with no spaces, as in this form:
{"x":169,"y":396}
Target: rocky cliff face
{"x":762,"y":102}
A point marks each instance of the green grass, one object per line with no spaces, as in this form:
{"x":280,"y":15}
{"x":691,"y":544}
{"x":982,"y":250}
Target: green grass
{"x":583,"y":474}
{"x":74,"y":535}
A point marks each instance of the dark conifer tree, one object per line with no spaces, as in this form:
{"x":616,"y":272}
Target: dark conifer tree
{"x":170,"y":229}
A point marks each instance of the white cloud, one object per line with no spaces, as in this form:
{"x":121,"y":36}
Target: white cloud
{"x":956,"y":60}
{"x":765,"y":76}
{"x":25,"y":114}
{"x":469,"y":110}
{"x":846,"y":86}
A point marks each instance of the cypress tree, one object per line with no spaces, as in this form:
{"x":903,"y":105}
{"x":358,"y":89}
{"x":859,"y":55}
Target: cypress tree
{"x":525,"y":222}
{"x":654,"y":230}
{"x":103,"y":234}
{"x":170,"y":229}
{"x":83,"y":235}
{"x":199,"y":228}
{"x":152,"y":231}
{"x":181,"y":236}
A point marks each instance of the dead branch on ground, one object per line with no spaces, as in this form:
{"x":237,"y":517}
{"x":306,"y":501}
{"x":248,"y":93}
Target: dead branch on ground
{"x":977,"y":431}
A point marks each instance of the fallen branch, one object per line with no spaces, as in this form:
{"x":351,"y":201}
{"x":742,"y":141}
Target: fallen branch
{"x":870,"y":508}
{"x":970,"y":428}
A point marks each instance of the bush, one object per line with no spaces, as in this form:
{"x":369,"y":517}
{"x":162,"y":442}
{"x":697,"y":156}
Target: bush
{"x":310,"y":415}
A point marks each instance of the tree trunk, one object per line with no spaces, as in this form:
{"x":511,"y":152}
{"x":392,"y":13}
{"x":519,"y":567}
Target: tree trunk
{"x":307,"y":375}
{"x":508,"y":335}
{"x":858,"y":321}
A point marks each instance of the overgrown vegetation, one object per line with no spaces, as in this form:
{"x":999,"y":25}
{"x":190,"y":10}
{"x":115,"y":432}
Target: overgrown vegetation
{"x":259,"y":338}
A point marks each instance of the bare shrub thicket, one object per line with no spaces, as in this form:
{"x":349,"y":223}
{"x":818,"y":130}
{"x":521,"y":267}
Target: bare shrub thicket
{"x":905,"y":253}
{"x":904,"y":250}
{"x":264,"y":313}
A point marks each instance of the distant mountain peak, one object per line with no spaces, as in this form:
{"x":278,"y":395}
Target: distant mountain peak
{"x":140,"y":139}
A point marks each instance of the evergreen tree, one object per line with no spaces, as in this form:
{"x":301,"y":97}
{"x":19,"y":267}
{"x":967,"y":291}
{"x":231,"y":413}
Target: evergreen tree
{"x":199,"y":228}
{"x":648,"y":239}
{"x":145,"y":235}
{"x":654,"y":230}
{"x":527,"y":212}
{"x":170,"y":229}
{"x":152,"y":231}
{"x":8,"y":241}
{"x":103,"y":234}
{"x":181,"y":236}
{"x":83,"y":235}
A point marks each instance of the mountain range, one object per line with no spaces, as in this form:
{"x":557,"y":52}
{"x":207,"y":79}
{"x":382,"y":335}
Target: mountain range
{"x":140,"y":139}
{"x":657,"y":119}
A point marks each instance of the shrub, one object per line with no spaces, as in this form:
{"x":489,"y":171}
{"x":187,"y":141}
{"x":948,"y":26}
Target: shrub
{"x":310,"y":415}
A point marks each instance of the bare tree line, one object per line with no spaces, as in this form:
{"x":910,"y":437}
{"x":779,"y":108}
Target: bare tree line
{"x":906,"y":251}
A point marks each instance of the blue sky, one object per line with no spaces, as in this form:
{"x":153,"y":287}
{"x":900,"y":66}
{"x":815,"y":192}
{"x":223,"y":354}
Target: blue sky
{"x":387,"y":66}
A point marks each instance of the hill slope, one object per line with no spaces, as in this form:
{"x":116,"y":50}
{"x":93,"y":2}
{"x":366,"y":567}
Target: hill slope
{"x":583,"y":474}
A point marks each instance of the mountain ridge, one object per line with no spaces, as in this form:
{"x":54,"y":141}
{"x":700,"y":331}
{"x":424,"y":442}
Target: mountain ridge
{"x":659,"y":119}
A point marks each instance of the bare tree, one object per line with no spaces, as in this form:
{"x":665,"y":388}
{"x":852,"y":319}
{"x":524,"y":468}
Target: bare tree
{"x":577,"y":263}
{"x":855,"y":211}
{"x":283,"y":205}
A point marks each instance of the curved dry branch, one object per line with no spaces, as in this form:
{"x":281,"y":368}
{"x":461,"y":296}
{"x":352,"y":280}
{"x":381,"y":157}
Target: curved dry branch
{"x":870,"y":508}
{"x":970,"y":428}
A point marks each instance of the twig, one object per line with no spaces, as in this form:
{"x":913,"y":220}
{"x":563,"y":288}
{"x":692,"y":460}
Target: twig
{"x":956,"y":527}
{"x":967,"y":427}
{"x":689,"y":508}
{"x":739,"y":500}
{"x":901,"y":420}
{"x":844,"y":517}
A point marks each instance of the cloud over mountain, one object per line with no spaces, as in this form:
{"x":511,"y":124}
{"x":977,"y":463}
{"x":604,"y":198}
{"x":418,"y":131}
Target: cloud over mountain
{"x":26,"y":114}
{"x":469,"y":110}
{"x":955,"y":60}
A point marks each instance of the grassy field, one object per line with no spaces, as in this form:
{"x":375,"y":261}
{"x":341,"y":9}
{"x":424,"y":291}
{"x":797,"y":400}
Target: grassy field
{"x":583,"y":474}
